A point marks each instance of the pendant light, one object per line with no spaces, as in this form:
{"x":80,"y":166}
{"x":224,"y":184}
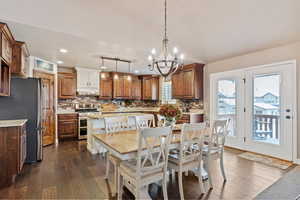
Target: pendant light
{"x":116,"y":76}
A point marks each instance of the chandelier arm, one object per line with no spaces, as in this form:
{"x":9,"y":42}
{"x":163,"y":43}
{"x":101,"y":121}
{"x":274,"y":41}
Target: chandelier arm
{"x":165,"y":74}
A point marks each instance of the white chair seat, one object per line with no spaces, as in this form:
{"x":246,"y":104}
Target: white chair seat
{"x":175,"y":157}
{"x":130,"y":167}
{"x":213,"y":150}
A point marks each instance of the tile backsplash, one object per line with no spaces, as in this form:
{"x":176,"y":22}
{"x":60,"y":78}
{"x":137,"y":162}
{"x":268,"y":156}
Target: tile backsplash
{"x":70,"y":103}
{"x":185,"y":105}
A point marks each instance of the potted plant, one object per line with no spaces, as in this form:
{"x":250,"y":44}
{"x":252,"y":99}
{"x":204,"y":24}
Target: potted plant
{"x":171,"y":113}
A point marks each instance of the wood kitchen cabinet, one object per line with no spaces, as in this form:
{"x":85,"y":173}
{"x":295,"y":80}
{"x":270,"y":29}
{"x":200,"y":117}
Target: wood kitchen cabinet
{"x":136,"y":88}
{"x":4,"y":79}
{"x":106,"y":85}
{"x":188,"y":82}
{"x":67,"y":126}
{"x":122,"y":86}
{"x":150,"y":86}
{"x":6,"y":44}
{"x":19,"y":63}
{"x":66,"y":85}
{"x":12,"y":153}
{"x":7,"y":41}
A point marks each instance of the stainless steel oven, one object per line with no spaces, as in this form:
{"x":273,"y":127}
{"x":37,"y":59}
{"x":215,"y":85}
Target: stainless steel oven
{"x":82,"y":127}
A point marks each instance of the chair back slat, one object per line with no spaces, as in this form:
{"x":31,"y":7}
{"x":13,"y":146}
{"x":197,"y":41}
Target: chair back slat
{"x":153,"y":149}
{"x":144,"y":121}
{"x":115,"y":124}
{"x":219,"y":132}
{"x":191,"y":140}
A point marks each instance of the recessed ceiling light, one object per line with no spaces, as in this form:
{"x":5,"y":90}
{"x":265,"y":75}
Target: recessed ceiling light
{"x":60,"y":62}
{"x":63,"y":51}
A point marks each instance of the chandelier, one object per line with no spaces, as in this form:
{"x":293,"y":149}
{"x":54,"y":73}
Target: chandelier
{"x":166,"y":63}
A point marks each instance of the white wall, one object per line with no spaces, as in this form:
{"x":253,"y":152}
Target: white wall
{"x":268,"y":56}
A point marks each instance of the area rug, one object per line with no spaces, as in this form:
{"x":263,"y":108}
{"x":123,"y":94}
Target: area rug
{"x":273,"y":162}
{"x":286,"y":188}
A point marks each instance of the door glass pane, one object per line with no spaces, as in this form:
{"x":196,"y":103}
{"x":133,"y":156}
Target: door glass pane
{"x":266,"y":108}
{"x":226,"y":103}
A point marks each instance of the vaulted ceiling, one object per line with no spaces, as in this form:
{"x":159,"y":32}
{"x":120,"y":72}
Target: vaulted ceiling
{"x":205,"y":30}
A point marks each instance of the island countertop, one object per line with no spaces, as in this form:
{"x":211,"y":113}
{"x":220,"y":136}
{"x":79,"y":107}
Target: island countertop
{"x":12,"y":123}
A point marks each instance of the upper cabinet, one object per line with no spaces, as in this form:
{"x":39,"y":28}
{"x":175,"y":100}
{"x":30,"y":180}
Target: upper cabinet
{"x":6,"y":44}
{"x":122,"y":86}
{"x":19,"y":65}
{"x":136,"y":88}
{"x":66,"y":85}
{"x":87,"y":81}
{"x":106,"y":86}
{"x":7,"y":41}
{"x":188,"y":82}
{"x":150,"y":86}
{"x":119,"y":86}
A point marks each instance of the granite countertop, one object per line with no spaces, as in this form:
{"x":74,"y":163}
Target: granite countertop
{"x":132,"y":110}
{"x":12,"y":123}
{"x":99,"y":116}
{"x":65,"y":111}
{"x":199,"y":112}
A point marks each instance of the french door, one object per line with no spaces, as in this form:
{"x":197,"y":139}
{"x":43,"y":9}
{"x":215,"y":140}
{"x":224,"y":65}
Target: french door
{"x":260,"y":103}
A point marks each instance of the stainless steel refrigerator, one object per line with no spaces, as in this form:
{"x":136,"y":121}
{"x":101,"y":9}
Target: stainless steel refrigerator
{"x":25,"y":103}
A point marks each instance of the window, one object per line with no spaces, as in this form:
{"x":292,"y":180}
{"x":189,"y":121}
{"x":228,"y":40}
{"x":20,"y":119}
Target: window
{"x":167,"y":93}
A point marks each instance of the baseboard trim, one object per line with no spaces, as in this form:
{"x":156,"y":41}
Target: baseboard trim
{"x":297,"y":161}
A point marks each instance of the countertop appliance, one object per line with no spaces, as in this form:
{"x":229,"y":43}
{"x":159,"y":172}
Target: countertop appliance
{"x":25,"y":103}
{"x":82,"y":122}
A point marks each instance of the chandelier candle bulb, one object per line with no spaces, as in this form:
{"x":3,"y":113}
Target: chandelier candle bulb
{"x":175,"y":50}
{"x":153,"y":51}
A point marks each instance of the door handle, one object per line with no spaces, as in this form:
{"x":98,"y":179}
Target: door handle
{"x":288,"y":117}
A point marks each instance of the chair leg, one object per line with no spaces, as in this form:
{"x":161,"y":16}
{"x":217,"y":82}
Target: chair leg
{"x":116,"y":177}
{"x":107,"y":167}
{"x":164,"y":187}
{"x":222,"y":166}
{"x":200,"y":179}
{"x":180,"y":184}
{"x":186,"y":173}
{"x":173,"y":174}
{"x":120,"y":186}
{"x":207,"y":168}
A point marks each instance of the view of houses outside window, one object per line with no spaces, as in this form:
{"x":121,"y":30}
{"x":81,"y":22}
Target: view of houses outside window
{"x":266,"y":106}
{"x":266,"y":111}
{"x":227,"y":103}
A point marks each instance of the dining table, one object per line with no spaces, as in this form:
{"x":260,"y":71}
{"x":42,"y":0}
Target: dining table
{"x":124,"y":146}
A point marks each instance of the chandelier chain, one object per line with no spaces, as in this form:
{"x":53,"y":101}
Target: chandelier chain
{"x":165,"y":19}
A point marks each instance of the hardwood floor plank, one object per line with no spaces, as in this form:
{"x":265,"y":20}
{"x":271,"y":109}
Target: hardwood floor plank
{"x":69,"y":171}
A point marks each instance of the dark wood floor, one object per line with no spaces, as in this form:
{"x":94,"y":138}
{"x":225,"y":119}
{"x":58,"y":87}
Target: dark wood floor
{"x":70,"y":171}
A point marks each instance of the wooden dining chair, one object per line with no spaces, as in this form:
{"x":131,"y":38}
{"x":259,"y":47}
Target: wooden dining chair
{"x":150,"y":166}
{"x":144,"y":121}
{"x":114,"y":125}
{"x":214,"y":147}
{"x":189,"y":155}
